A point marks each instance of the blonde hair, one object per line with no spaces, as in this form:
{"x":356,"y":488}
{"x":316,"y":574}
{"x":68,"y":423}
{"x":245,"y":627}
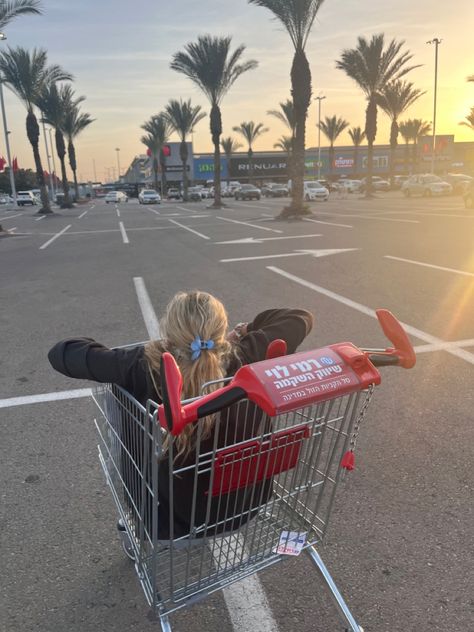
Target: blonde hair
{"x":189,"y":315}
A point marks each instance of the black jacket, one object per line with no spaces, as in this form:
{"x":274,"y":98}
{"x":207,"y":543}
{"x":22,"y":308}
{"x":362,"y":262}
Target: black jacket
{"x":87,"y":359}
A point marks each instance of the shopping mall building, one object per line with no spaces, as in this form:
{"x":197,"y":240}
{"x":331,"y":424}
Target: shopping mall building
{"x":451,"y":156}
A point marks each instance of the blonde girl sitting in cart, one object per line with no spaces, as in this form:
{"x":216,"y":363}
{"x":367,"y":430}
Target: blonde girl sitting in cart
{"x":195,"y":331}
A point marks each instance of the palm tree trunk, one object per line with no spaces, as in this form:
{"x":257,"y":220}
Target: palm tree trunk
{"x":250,"y":155}
{"x":301,"y":92}
{"x":414,"y":156}
{"x":61,"y":151}
{"x":71,"y":152}
{"x":155,"y":173}
{"x":407,"y":157}
{"x":228,"y":157}
{"x":183,"y":150}
{"x":355,"y":158}
{"x":393,"y":149}
{"x":163,"y":174}
{"x":32,"y":130}
{"x":216,"y":131}
{"x":371,"y":132}
{"x":331,"y":161}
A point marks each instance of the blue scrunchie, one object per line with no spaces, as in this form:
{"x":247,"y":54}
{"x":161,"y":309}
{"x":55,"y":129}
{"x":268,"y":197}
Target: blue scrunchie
{"x":199,"y":345}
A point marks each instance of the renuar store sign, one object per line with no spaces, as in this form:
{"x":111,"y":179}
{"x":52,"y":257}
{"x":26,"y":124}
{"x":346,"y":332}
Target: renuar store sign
{"x":265,"y":166}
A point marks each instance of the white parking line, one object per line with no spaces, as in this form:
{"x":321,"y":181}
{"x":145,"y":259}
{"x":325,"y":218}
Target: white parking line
{"x":38,"y":218}
{"x":189,"y":229}
{"x":82,"y":214}
{"x":430,"y":265}
{"x":235,"y":221}
{"x":4,"y":219}
{"x":317,"y":221}
{"x":45,"y":397}
{"x":188,"y":210}
{"x":418,"y":333}
{"x":124,"y":233}
{"x":151,"y":321}
{"x":50,"y":241}
{"x":442,"y":346}
{"x":118,"y":211}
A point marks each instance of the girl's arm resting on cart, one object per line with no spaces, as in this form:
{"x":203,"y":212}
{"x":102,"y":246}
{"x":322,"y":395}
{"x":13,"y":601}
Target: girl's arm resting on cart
{"x":290,"y":325}
{"x":84,"y":358}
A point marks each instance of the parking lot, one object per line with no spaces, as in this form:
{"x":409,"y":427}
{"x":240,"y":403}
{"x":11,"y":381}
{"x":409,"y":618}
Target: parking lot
{"x":402,"y":524}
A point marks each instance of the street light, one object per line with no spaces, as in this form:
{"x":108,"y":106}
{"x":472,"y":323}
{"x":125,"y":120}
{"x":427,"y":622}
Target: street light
{"x":7,"y":141}
{"x":436,"y":41}
{"x":117,"y":149}
{"x":320,"y":98}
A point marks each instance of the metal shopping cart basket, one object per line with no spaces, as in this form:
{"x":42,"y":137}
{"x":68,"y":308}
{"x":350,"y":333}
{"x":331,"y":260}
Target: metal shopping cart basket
{"x":257,"y":487}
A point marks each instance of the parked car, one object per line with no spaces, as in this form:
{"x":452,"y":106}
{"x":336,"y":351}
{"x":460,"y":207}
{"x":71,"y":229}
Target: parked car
{"x":469,"y":195}
{"x":174,"y":194}
{"x":248,"y":192}
{"x":194,"y":194}
{"x":314,"y":190}
{"x":149,"y":196}
{"x":5,"y":199}
{"x":459,"y":182}
{"x":116,"y":197}
{"x":378,"y":184}
{"x":351,"y":186}
{"x":426,"y":185}
{"x":24,"y":198}
{"x":399,"y":181}
{"x":274,"y":190}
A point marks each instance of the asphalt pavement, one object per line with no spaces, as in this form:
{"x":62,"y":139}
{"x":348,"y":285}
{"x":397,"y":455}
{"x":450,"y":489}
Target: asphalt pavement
{"x":400,"y":540}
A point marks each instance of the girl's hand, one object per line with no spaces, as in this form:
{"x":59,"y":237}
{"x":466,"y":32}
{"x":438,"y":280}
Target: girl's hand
{"x":237,"y":333}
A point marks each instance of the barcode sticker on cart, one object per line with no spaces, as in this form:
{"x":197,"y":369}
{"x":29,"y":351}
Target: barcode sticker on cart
{"x":291,"y":543}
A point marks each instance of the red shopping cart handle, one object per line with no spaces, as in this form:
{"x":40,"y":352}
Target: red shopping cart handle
{"x":402,"y":353}
{"x":280,"y":385}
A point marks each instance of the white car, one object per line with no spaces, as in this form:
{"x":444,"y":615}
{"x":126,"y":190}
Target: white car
{"x":116,"y":196}
{"x":5,"y":199}
{"x":426,"y":185}
{"x":26,"y":197}
{"x":149,"y":196}
{"x":314,"y":190}
{"x":351,"y":186}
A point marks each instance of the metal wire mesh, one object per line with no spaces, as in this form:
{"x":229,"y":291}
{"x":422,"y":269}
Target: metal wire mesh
{"x":201,"y":522}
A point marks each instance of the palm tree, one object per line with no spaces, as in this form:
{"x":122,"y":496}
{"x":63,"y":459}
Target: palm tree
{"x":154,"y":149}
{"x":229,"y":147}
{"x":54,"y":102}
{"x":286,"y":115}
{"x":372,"y":67}
{"x":420,"y":128}
{"x":10,"y":10}
{"x":285,"y":143}
{"x":159,"y":130}
{"x":297,"y":16}
{"x":332,"y":127}
{"x":214,"y":68}
{"x":74,"y":122}
{"x":357,"y":137}
{"x":395,"y":98}
{"x":406,"y":130}
{"x":469,"y":122}
{"x":250,"y":131}
{"x":26,"y":73}
{"x":183,"y":118}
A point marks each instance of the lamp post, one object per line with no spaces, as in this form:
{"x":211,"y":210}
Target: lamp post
{"x":319,"y":99}
{"x":7,"y":141}
{"x":436,"y":41}
{"x":117,"y":149}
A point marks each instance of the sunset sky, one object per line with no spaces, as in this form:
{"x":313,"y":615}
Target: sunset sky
{"x":119,"y":52}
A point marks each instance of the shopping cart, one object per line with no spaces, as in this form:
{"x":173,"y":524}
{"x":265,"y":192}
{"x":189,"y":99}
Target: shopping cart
{"x":258,"y":488}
